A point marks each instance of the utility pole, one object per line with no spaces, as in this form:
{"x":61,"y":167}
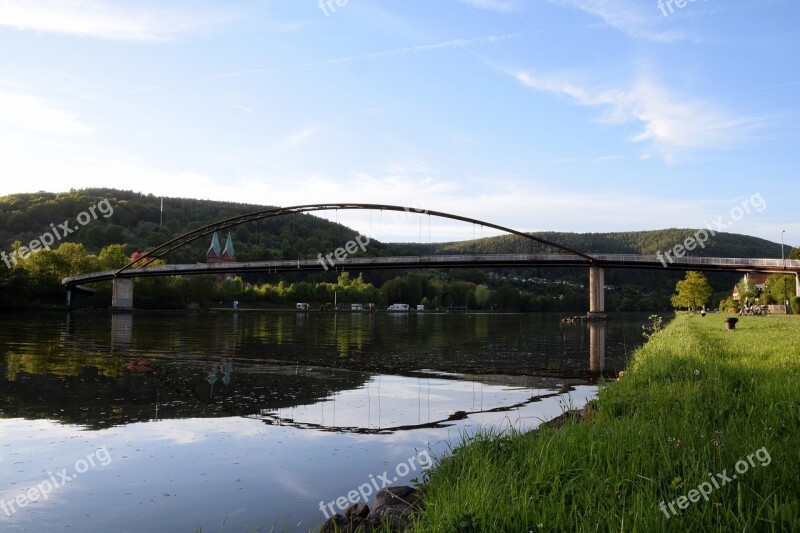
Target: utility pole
{"x":161,"y":218}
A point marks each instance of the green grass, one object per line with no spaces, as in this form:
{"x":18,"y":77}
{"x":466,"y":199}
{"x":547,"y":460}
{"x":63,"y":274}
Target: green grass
{"x":695,"y":400}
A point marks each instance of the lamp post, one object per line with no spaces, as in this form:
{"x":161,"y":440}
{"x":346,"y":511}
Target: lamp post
{"x":783,"y":260}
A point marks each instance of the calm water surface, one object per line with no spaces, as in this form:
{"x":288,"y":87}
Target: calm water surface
{"x":172,"y":423}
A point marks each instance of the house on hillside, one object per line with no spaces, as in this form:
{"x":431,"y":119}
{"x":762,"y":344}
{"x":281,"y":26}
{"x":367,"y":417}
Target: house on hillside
{"x":219,"y":255}
{"x":751,"y":280}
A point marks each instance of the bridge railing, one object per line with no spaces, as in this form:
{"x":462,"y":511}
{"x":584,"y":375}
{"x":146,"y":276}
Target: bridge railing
{"x":486,"y":258}
{"x":617,"y":260}
{"x":690,"y":260}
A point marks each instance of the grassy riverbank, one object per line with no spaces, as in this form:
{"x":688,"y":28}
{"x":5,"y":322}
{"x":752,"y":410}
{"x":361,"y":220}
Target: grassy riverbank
{"x":696,"y":400}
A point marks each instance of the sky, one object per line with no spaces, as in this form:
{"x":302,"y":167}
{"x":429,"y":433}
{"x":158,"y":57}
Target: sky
{"x":564,"y":115}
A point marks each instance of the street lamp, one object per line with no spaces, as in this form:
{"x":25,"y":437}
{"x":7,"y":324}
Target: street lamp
{"x":783,"y":260}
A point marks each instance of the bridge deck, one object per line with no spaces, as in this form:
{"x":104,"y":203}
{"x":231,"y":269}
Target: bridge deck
{"x":456,"y":261}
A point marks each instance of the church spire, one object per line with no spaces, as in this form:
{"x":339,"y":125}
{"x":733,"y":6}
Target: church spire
{"x":229,"y":248}
{"x":214,"y":250}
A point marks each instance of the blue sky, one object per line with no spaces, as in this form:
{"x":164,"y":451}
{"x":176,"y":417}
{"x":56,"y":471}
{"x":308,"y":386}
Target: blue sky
{"x":572,"y":115}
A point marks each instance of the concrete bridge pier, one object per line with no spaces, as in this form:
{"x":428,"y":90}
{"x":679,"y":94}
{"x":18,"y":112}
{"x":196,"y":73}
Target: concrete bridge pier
{"x":797,"y":284}
{"x":122,"y":295}
{"x":597,"y":346}
{"x":597,"y":294}
{"x":121,"y":331}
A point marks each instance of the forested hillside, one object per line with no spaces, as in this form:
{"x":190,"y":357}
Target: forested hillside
{"x":136,"y":225}
{"x":136,"y":218}
{"x":631,"y":242}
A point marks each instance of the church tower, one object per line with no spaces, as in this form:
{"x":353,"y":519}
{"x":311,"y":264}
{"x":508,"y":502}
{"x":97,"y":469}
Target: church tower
{"x":216,"y":254}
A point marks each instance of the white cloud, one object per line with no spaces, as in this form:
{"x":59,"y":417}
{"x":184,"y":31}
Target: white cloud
{"x":672,"y":125}
{"x":527,"y":205}
{"x":408,"y":50}
{"x":501,"y":6}
{"x":518,"y":204}
{"x":298,"y":138}
{"x":33,"y":113}
{"x":105,"y":20}
{"x":627,"y":17}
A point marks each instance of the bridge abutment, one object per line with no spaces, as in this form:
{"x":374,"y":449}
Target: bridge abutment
{"x":597,"y":294}
{"x":122,"y":295}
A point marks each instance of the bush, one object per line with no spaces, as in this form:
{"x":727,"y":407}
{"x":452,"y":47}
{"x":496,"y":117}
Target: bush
{"x":795,"y":305}
{"x":729,"y":305}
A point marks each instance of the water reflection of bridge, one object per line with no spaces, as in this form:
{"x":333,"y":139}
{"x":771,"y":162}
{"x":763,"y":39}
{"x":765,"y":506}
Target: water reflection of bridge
{"x":157,"y":368}
{"x":439,"y":402}
{"x":509,"y":392}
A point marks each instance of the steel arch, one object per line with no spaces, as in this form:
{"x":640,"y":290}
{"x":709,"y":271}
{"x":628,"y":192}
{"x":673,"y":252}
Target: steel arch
{"x":182,"y":240}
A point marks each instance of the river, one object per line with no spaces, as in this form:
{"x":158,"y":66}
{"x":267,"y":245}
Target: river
{"x":248,"y":421}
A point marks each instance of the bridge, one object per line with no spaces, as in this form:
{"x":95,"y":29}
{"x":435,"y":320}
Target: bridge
{"x":122,"y":298}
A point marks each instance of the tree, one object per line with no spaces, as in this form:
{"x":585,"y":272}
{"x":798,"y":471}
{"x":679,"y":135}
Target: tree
{"x":729,"y":305}
{"x":482,"y":295}
{"x":691,"y":292}
{"x":113,"y":256}
{"x":780,"y":287}
{"x":747,"y":291}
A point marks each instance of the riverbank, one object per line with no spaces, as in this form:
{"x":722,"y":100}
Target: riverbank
{"x":700,"y":434}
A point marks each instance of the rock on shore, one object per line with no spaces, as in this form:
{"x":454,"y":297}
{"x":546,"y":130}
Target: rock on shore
{"x":392,"y":511}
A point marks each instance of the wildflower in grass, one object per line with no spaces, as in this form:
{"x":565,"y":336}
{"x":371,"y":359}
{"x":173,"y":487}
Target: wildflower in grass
{"x":654,"y":327}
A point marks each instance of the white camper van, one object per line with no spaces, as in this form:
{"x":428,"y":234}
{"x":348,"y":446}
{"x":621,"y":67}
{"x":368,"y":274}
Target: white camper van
{"x":398,"y":307}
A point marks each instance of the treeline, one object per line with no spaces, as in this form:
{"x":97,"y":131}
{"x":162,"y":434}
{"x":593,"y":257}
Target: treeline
{"x":631,"y":242}
{"x":777,"y":290}
{"x":36,"y":282}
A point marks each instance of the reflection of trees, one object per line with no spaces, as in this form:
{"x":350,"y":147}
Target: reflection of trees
{"x":62,"y":376}
{"x":16,"y":363}
{"x":67,"y":370}
{"x":180,"y":387}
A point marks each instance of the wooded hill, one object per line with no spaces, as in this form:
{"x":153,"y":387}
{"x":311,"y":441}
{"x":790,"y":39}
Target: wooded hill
{"x":135,"y":226}
{"x":136,"y":217}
